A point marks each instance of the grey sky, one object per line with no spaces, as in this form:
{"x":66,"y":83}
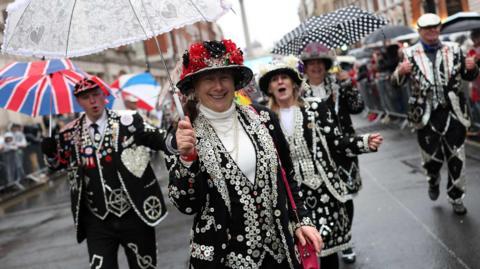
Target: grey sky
{"x":268,"y":21}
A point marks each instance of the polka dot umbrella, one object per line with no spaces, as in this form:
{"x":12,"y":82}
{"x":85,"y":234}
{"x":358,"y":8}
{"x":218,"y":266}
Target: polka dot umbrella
{"x":342,"y":27}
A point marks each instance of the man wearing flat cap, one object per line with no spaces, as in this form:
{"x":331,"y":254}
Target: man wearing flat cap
{"x":116,"y":199}
{"x":437,"y":107}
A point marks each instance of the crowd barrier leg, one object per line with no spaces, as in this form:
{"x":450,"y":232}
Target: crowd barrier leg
{"x":381,"y":98}
{"x":383,"y":94}
{"x":367,"y":99}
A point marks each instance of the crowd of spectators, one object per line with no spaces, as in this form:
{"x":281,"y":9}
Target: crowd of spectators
{"x":21,"y":159}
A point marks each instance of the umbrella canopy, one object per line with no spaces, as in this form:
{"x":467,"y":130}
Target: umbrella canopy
{"x":360,"y":53}
{"x":342,"y":27}
{"x":388,"y":32}
{"x":460,"y":22}
{"x":142,"y":86}
{"x":42,"y":87}
{"x":406,"y":37}
{"x":70,"y":28}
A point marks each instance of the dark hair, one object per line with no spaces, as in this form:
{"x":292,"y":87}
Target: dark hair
{"x":475,"y":34}
{"x":190,"y":108}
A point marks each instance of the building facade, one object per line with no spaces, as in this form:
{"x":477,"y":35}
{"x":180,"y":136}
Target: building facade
{"x":396,"y":11}
{"x":474,"y":5}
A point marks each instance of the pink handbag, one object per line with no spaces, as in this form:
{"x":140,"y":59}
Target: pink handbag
{"x":308,"y":256}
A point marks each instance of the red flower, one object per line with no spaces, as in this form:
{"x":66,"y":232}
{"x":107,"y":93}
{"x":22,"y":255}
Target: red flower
{"x":236,"y":57}
{"x":196,"y":64}
{"x":197,"y":50}
{"x":197,"y":55}
{"x":229,"y":45}
{"x":108,"y":158}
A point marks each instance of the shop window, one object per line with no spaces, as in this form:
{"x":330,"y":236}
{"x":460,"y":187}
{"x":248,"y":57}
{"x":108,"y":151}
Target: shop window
{"x":429,"y":6}
{"x":454,"y":6}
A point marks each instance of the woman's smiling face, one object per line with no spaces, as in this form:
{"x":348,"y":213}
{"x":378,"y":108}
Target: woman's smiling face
{"x":215,"y":90}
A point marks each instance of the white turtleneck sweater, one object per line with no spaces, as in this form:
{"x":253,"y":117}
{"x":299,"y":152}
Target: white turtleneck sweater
{"x":287,"y":118}
{"x":223,"y":124}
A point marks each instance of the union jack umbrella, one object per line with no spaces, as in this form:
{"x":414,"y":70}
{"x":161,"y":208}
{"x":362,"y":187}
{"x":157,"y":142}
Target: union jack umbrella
{"x":142,"y":86}
{"x":42,"y":87}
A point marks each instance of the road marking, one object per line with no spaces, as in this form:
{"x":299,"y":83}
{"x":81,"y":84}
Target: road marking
{"x":424,"y":226}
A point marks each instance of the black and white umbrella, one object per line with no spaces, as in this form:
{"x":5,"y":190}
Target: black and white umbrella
{"x":460,"y":22}
{"x":342,"y":27}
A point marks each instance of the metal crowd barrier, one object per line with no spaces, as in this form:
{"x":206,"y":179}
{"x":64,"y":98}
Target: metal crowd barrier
{"x":33,"y":166}
{"x":381,"y":98}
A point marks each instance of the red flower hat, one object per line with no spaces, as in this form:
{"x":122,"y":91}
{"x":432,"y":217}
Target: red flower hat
{"x":208,"y":56}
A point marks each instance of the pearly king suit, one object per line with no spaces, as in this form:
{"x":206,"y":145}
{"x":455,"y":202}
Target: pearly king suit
{"x":113,"y":187}
{"x":437,"y":109}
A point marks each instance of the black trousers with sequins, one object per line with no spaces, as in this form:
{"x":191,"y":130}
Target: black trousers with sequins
{"x":105,"y":236}
{"x":329,"y":262}
{"x":443,"y":140}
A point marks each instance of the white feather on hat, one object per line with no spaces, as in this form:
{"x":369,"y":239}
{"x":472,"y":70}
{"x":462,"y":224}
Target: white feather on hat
{"x":290,"y":65}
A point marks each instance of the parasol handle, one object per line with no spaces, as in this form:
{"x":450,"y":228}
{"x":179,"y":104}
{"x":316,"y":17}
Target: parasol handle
{"x":50,"y":125}
{"x":50,"y":114}
{"x":178,"y":105}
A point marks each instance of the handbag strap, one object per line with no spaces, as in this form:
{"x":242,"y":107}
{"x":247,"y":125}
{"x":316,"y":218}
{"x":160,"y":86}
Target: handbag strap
{"x":287,"y":185}
{"x":284,"y":178}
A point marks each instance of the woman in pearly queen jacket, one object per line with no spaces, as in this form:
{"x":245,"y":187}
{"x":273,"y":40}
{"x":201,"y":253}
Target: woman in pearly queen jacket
{"x":312,"y":133}
{"x":228,"y":172}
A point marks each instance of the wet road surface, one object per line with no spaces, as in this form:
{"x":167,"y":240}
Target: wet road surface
{"x":395,"y":224}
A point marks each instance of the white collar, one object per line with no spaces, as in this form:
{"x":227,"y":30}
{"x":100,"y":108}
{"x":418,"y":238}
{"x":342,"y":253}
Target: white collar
{"x":100,"y":122}
{"x":213,"y":115}
{"x":322,"y":84}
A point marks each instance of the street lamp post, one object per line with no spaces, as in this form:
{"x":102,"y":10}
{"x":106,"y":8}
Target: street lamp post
{"x":245,"y":27}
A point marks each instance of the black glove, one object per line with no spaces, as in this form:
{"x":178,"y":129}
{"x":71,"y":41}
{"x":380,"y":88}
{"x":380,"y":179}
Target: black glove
{"x":49,"y":146}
